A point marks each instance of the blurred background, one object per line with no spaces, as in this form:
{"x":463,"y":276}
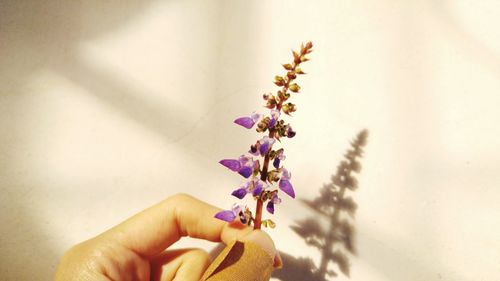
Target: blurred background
{"x":107,"y":107}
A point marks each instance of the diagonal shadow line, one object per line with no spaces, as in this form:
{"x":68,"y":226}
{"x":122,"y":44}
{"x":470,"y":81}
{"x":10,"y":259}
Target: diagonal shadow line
{"x":163,"y":118}
{"x":467,"y":41}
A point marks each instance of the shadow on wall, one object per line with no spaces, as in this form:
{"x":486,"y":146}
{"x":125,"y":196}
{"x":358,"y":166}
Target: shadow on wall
{"x":335,"y":209}
{"x":45,"y":35}
{"x":35,"y":36}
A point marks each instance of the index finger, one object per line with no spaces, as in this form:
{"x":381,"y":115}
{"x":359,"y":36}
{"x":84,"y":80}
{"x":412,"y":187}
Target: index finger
{"x":153,"y":230}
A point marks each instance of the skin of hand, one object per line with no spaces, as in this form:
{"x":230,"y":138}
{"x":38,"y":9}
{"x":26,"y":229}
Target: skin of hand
{"x":136,"y":248}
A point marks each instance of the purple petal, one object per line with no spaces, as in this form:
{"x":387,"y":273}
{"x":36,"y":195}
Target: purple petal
{"x":276,"y":163}
{"x":233,"y":165}
{"x":275,"y":113}
{"x":225,"y":215}
{"x":253,"y":150}
{"x":255,"y":117}
{"x":272,"y":123}
{"x":287,"y":187}
{"x":239,"y":193}
{"x":270,"y":207}
{"x":236,"y":209}
{"x":257,"y":190}
{"x":246,"y":122}
{"x":264,"y":148}
{"x":285,"y":174}
{"x":246,"y":171}
{"x":276,"y":199}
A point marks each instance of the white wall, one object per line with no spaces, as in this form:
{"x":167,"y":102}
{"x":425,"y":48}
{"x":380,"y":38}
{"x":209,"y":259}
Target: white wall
{"x":107,"y":107}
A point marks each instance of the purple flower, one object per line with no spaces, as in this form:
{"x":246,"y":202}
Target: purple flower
{"x":290,"y":132}
{"x":285,"y":184}
{"x":262,"y":146}
{"x":278,"y":158}
{"x":265,"y":145}
{"x":254,"y":186}
{"x":248,"y":122}
{"x":275,"y":114}
{"x":239,"y":193}
{"x":245,"y":166}
{"x":274,"y":201}
{"x":231,"y":164}
{"x":258,"y":187}
{"x":229,"y":215}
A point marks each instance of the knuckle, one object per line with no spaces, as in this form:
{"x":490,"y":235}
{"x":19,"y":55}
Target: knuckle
{"x":199,"y":254}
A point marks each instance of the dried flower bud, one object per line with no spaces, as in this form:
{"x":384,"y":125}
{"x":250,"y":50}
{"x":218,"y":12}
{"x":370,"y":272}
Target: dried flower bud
{"x":272,"y":154}
{"x":303,"y":59}
{"x":279,"y":81}
{"x":290,"y":133}
{"x":288,"y":66}
{"x":291,"y":75}
{"x":271,"y":102}
{"x":299,"y":71}
{"x":294,"y":87}
{"x":289,"y":108}
{"x":263,"y":124}
{"x":296,"y":57}
{"x":273,"y":175}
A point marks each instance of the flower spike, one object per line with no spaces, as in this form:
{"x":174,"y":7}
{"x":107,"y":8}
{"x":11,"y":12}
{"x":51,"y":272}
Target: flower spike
{"x":264,"y":184}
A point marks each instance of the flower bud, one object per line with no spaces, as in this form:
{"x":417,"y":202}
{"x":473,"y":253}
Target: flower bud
{"x":288,"y":66}
{"x":296,"y":57}
{"x":271,"y":102}
{"x":273,"y":175}
{"x":299,"y":71}
{"x":294,"y":87}
{"x":289,"y":108}
{"x":263,"y":124}
{"x":291,"y":75}
{"x":290,"y":133}
{"x":279,"y":81}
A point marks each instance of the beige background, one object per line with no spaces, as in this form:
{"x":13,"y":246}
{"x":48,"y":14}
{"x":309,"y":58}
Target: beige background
{"x":107,"y":107}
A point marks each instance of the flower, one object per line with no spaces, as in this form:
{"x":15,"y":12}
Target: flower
{"x":275,"y":114}
{"x":248,"y":122}
{"x":244,"y":165}
{"x":262,"y":146}
{"x":254,"y":186}
{"x":274,"y":201}
{"x":290,"y":133}
{"x":284,"y":183}
{"x":244,"y":214}
{"x":229,"y":215}
{"x":278,"y":158}
{"x":265,"y":183}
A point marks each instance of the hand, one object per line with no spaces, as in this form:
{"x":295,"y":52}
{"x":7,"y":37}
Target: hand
{"x":135,"y":249}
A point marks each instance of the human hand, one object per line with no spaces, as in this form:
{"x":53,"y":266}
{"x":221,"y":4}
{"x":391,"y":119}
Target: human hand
{"x":135,"y":249}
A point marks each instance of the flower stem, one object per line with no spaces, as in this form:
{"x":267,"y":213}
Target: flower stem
{"x":263,"y":173}
{"x":298,"y":59}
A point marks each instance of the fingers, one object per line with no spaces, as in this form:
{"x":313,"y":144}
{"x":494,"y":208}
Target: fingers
{"x":179,"y":265}
{"x":153,"y":230}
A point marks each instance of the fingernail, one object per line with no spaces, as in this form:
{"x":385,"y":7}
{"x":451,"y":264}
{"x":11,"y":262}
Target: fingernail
{"x":278,"y":261}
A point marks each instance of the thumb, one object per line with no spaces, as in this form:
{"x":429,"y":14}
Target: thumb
{"x":262,"y":239}
{"x":249,"y":258}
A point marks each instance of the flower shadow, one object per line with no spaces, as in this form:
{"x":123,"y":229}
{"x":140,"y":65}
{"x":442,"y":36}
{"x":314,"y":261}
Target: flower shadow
{"x":335,"y":209}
